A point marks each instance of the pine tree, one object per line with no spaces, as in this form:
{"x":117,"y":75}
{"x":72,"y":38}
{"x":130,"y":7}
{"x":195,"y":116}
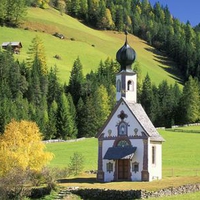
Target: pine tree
{"x":147,"y":95}
{"x":90,"y":120}
{"x":12,"y":12}
{"x":51,"y":126}
{"x":80,"y":120}
{"x":75,"y":8}
{"x":54,"y":87}
{"x":190,"y":101}
{"x":65,"y":123}
{"x":76,"y":81}
{"x":72,"y":110}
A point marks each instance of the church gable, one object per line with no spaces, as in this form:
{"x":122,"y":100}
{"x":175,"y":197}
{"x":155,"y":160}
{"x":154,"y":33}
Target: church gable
{"x":122,"y":122}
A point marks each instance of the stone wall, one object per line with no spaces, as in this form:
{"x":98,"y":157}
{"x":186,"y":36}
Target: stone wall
{"x":104,"y":194}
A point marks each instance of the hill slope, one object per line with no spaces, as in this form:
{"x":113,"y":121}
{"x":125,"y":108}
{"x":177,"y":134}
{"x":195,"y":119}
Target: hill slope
{"x":90,"y":45}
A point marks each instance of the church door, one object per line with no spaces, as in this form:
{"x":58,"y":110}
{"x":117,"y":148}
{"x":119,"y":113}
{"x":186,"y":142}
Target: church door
{"x":123,"y":169}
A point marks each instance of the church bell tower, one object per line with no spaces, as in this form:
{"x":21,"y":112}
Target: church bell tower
{"x":126,"y":79}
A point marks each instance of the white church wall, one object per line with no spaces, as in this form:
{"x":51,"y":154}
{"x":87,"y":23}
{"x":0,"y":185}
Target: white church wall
{"x":108,"y":176}
{"x":137,"y":158}
{"x":155,"y":164}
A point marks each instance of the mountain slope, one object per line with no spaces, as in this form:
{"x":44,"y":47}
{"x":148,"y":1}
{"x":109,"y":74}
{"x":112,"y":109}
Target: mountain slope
{"x":90,"y":45}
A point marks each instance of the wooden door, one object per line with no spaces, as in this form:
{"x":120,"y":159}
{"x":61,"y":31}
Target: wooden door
{"x":123,"y":169}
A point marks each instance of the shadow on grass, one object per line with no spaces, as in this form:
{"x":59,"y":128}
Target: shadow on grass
{"x":172,"y":69}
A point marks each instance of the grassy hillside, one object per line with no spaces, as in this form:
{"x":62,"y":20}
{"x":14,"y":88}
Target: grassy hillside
{"x":90,"y":45}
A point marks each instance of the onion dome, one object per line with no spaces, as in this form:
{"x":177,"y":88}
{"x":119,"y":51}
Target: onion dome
{"x":126,"y":56}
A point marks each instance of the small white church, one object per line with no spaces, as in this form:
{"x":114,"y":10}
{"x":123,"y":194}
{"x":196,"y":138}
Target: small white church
{"x":129,"y":146}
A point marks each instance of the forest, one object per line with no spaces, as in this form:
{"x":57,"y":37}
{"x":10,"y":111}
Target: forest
{"x":79,"y":108}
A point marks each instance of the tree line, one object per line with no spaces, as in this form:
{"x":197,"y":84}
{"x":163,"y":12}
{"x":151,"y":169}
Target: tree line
{"x":28,"y":91}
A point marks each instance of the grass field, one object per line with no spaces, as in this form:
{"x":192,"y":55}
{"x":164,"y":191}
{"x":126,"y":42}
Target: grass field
{"x":90,"y":45}
{"x":191,"y":196}
{"x":181,"y":161}
{"x":180,"y":153}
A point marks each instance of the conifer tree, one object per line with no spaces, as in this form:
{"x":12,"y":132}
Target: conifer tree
{"x":90,"y":121}
{"x":147,"y":95}
{"x":72,"y":110}
{"x":37,"y":55}
{"x":76,"y":81}
{"x":51,"y":126}
{"x":102,"y":106}
{"x":65,"y":123}
{"x":80,"y":120}
{"x":190,"y":101}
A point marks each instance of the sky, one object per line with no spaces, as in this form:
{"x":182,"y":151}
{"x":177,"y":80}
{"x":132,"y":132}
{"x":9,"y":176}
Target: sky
{"x":183,"y":10}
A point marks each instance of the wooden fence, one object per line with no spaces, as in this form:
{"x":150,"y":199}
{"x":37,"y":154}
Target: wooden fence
{"x":174,"y":172}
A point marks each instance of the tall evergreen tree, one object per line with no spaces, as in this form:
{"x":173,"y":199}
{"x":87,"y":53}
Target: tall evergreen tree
{"x":90,"y":121}
{"x":65,"y":123}
{"x":51,"y":126}
{"x":147,"y":95}
{"x":80,"y":120}
{"x":76,"y":81}
{"x":101,"y":103}
{"x":190,"y":101}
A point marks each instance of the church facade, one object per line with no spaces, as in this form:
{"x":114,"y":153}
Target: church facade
{"x":129,"y":146}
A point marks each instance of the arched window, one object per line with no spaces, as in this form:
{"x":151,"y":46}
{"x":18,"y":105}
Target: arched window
{"x":122,"y":129}
{"x":118,"y":85}
{"x":123,"y":143}
{"x":130,"y":85}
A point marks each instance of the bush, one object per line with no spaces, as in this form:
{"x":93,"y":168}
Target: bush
{"x":76,"y":164}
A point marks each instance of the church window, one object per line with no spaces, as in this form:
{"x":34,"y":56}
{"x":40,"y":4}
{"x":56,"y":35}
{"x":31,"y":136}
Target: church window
{"x":122,"y":129}
{"x":122,"y":143}
{"x":118,"y":85}
{"x":153,"y":155}
{"x":135,"y":167}
{"x":130,"y":85}
{"x":109,"y":167}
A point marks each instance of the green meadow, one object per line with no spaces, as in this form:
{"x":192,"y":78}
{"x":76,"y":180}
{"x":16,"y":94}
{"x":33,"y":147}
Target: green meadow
{"x":181,"y":156}
{"x":90,"y":45}
{"x":181,"y":161}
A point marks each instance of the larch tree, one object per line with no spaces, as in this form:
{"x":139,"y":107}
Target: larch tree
{"x":37,"y":55}
{"x":21,"y":147}
{"x":102,"y":106}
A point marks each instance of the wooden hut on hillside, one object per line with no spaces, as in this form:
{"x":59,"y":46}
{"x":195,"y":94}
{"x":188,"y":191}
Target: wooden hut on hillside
{"x":16,"y":46}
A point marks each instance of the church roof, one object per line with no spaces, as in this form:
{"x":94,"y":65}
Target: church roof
{"x":116,"y":153}
{"x":144,"y":121}
{"x":142,"y":118}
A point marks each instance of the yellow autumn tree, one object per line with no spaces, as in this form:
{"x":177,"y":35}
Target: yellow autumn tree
{"x":21,"y":146}
{"x":37,"y":55}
